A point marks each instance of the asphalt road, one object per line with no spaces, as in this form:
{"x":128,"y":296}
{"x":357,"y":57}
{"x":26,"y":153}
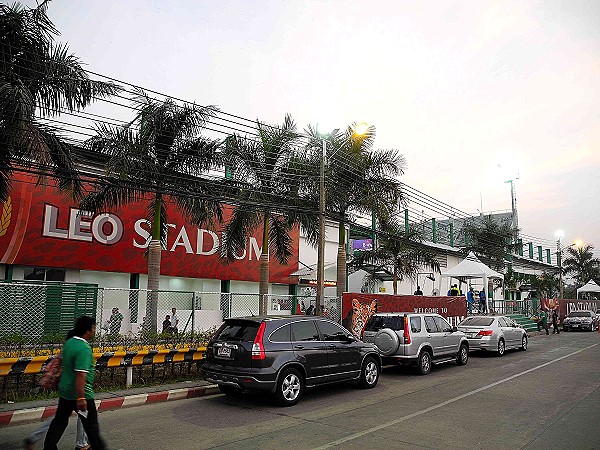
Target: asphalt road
{"x":546,"y":397}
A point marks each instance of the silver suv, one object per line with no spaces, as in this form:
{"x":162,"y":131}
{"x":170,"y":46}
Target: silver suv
{"x":416,"y":339}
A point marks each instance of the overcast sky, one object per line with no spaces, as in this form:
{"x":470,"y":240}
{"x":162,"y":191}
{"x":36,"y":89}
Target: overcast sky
{"x":472,"y":93}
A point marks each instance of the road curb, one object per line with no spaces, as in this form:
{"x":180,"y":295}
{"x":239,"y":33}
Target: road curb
{"x":28,"y":415}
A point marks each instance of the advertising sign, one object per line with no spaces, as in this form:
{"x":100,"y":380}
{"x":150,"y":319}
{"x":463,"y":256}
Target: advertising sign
{"x":39,"y":226}
{"x":357,"y":308}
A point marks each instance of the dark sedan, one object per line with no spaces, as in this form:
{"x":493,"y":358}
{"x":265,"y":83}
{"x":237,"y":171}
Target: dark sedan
{"x":285,"y":354}
{"x":581,"y":320}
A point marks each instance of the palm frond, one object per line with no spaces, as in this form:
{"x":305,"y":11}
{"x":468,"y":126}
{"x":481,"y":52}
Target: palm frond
{"x":280,"y":241}
{"x":242,"y":223}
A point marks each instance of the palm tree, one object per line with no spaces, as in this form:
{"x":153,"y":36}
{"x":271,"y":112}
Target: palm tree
{"x":39,"y":79}
{"x":488,"y":238}
{"x":581,"y":263}
{"x":545,"y":284}
{"x":359,"y":180}
{"x":158,"y":155}
{"x":268,"y":172}
{"x":400,"y":252}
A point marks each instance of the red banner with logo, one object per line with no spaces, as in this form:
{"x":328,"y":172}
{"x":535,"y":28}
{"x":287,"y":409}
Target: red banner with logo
{"x":39,"y":226}
{"x":358,"y":308}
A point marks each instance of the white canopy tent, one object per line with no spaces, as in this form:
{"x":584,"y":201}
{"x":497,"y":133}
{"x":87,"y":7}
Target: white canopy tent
{"x":591,"y":286}
{"x":472,"y":267}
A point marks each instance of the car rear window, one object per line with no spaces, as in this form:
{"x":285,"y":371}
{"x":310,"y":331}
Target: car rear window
{"x":376,"y":323}
{"x":580,"y":314}
{"x":238,"y":330}
{"x":477,"y":322}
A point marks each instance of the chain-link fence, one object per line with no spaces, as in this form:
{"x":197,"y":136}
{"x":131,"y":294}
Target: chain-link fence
{"x":35,"y":317}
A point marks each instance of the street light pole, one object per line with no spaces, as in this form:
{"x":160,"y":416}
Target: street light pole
{"x":559,"y":261}
{"x":321,"y":248}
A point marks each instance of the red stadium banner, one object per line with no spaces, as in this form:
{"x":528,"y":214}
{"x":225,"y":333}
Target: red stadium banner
{"x":358,"y":308}
{"x":39,"y":226}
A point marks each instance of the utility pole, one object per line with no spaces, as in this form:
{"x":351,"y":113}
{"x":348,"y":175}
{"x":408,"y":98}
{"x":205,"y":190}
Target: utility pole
{"x":321,"y":248}
{"x":559,"y":261}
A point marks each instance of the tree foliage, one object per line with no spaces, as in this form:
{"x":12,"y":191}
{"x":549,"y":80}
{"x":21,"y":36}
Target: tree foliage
{"x":488,"y":239}
{"x":39,"y":79}
{"x":581,"y":264}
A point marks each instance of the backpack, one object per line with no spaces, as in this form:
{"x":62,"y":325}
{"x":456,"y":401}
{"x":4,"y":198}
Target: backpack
{"x":52,"y":372}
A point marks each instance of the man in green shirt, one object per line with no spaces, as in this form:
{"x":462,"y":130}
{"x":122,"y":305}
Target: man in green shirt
{"x":75,"y":387}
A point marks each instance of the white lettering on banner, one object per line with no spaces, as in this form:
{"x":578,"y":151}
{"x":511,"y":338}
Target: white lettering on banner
{"x":50,"y":223}
{"x":582,"y":306}
{"x":254,"y":246}
{"x":183,"y":240}
{"x":98,"y":228}
{"x":200,"y":242}
{"x":80,"y":227}
{"x":142,"y":232}
{"x":107,"y":228}
{"x":440,"y":311}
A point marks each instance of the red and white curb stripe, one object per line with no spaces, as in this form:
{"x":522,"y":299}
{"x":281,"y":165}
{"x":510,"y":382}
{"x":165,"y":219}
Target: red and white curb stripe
{"x":21,"y":416}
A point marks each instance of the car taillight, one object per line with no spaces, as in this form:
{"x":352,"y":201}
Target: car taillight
{"x":485,"y":333}
{"x":362,"y":334}
{"x":406,"y":331}
{"x":258,"y":349}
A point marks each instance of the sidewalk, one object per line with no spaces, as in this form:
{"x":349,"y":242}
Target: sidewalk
{"x":37,"y":410}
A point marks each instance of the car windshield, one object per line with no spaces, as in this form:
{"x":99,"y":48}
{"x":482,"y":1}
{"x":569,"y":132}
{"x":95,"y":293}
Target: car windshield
{"x":238,"y":330}
{"x":580,"y":314}
{"x":376,"y":323}
{"x":477,"y":322}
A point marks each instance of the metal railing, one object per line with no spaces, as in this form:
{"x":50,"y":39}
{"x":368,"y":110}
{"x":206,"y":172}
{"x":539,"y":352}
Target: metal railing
{"x":35,"y":317}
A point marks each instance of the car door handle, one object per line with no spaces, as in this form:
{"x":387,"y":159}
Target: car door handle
{"x":330,"y":345}
{"x":299,"y":347}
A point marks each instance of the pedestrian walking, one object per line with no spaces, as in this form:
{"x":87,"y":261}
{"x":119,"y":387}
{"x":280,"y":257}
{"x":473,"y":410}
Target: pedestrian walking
{"x":543,"y":320}
{"x":75,"y":388}
{"x":81,"y":441}
{"x":482,"y":302}
{"x":555,"y":328}
{"x":174,"y":321}
{"x":470,"y":301}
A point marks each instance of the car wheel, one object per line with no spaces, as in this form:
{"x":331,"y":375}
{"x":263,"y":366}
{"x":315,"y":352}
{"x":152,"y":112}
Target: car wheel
{"x":424,"y":363}
{"x":369,"y":374}
{"x":523,"y":343}
{"x":463,"y":355}
{"x":289,"y":387}
{"x":230,"y":390}
{"x":501,"y":347}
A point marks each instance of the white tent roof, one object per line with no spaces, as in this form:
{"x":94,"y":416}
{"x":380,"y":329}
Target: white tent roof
{"x":471,"y":267}
{"x":591,"y":286}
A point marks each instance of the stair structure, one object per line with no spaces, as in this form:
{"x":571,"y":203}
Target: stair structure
{"x":524,"y":321}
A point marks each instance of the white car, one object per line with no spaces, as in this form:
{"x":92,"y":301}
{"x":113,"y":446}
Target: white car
{"x":493,"y":333}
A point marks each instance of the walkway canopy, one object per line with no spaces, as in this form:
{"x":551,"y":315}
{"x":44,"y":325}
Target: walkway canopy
{"x":471,"y":267}
{"x":591,"y":286}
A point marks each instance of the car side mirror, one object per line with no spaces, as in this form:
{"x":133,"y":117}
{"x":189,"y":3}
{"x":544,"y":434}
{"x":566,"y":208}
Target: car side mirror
{"x":349,"y":338}
{"x":454,"y":329}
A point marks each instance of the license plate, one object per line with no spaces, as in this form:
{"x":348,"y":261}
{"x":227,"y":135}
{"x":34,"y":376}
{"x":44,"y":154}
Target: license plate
{"x":575,"y":325}
{"x":224,"y":351}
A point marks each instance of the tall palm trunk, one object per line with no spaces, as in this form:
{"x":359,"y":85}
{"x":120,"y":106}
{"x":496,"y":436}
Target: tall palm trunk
{"x":395,"y":280}
{"x":154,"y":256}
{"x":263,"y":288}
{"x":341,"y":261}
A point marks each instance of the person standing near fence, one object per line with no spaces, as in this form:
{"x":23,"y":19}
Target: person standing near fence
{"x":174,"y":321}
{"x":482,"y":302}
{"x":470,"y":301}
{"x":75,"y":388}
{"x":114,"y":322}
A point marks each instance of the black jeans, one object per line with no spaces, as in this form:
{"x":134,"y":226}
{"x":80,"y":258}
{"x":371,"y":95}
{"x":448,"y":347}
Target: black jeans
{"x":61,"y":420}
{"x":540,"y":325}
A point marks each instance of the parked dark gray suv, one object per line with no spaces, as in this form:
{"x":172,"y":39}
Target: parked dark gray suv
{"x":285,"y":354}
